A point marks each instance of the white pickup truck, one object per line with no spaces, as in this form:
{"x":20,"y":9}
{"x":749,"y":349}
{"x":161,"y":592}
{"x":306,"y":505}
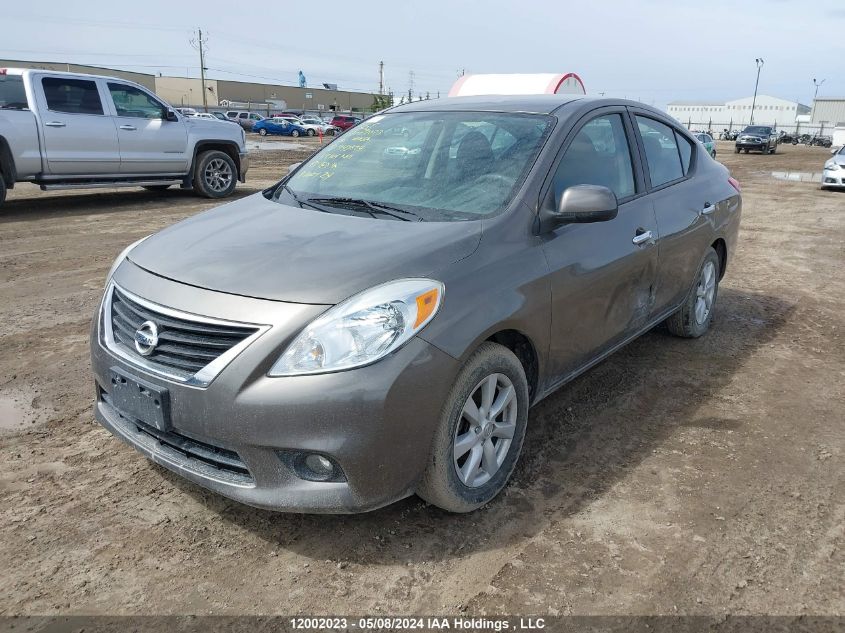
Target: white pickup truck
{"x":75,"y":131}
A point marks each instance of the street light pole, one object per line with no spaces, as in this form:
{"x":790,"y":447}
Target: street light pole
{"x":760,"y":63}
{"x":817,"y":84}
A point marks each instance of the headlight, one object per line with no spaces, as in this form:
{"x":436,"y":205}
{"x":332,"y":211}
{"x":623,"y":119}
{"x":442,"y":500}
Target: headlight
{"x":362,"y":329}
{"x":832,"y":166}
{"x":121,"y":257}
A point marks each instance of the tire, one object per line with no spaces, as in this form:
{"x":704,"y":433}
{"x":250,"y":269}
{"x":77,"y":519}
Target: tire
{"x":2,"y":188}
{"x":295,"y":133}
{"x":215,"y":174}
{"x":440,"y":484}
{"x":691,"y":321}
{"x":713,"y":154}
{"x":737,"y":150}
{"x":310,"y":132}
{"x":262,"y":132}
{"x":774,"y":150}
{"x":157,"y":187}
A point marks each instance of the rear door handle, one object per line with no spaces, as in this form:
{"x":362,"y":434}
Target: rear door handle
{"x":128,"y":127}
{"x":708,"y":208}
{"x":55,"y":124}
{"x":642,"y":238}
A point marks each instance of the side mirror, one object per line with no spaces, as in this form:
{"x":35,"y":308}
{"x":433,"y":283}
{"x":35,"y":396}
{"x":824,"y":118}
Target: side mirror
{"x":834,"y":150}
{"x":293,"y":167}
{"x":581,"y":204}
{"x":171,"y":115}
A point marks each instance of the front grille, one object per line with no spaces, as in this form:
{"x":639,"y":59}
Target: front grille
{"x":201,"y":457}
{"x":184,"y":346}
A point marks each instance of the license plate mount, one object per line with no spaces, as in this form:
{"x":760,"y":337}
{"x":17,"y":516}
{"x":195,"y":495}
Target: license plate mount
{"x":137,"y":398}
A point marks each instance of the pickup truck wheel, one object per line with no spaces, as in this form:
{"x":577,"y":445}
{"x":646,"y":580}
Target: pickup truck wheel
{"x":479,"y":438}
{"x":2,"y":189}
{"x":737,"y":150}
{"x":157,"y":187}
{"x":694,"y":317}
{"x":215,"y":174}
{"x":774,"y":150}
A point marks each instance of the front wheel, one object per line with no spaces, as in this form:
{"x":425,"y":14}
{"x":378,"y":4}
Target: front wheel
{"x":215,"y":174}
{"x":737,"y":150}
{"x":2,"y":188}
{"x":694,"y":317}
{"x":479,"y":438}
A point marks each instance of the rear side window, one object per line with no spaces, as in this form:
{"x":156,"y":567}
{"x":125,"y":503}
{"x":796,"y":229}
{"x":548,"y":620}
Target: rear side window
{"x":685,"y":150}
{"x":598,"y":155}
{"x":661,"y":151}
{"x":12,"y":93}
{"x":75,"y":96}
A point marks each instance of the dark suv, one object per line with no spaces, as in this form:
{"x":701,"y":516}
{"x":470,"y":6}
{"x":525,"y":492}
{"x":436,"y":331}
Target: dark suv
{"x":345,"y":122}
{"x":760,"y":138}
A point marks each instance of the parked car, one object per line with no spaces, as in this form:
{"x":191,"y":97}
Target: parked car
{"x":75,"y":131}
{"x":759,"y":138}
{"x":327,"y":128}
{"x":708,"y":142}
{"x":222,"y":117}
{"x":283,"y":127}
{"x":311,"y":129}
{"x":360,"y":332}
{"x":245,"y":119}
{"x":833,"y":176}
{"x":344,"y":122}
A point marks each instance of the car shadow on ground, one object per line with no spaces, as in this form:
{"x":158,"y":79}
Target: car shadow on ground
{"x":107,"y":202}
{"x":581,"y":441}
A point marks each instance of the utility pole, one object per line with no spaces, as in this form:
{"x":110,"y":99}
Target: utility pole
{"x":759,"y":61}
{"x":410,"y":86}
{"x":817,"y":84}
{"x":381,"y":77}
{"x":199,"y":44}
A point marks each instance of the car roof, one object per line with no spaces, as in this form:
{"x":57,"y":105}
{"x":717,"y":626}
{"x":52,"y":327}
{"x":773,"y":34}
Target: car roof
{"x":532,"y":104}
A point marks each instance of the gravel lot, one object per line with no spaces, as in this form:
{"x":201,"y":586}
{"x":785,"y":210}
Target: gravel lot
{"x":677,"y":477}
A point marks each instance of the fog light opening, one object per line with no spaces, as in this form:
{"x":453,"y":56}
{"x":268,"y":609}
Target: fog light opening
{"x":312,"y":466}
{"x":319,"y":465}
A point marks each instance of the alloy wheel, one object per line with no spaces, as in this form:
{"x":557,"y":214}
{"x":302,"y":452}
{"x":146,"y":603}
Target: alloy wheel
{"x":485,"y":431}
{"x":218,"y":174}
{"x":705,"y":292}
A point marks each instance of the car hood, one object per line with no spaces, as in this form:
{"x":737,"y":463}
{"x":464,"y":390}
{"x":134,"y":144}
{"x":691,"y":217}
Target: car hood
{"x":259,"y":248}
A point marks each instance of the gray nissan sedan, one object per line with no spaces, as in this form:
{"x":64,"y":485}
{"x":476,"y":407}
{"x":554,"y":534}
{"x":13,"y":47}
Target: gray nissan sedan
{"x":379,"y":323}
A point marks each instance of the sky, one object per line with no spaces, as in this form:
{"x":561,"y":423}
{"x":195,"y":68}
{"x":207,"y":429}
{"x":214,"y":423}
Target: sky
{"x":654,"y":51}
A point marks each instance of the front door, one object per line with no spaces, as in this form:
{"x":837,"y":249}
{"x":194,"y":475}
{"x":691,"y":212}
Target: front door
{"x":149,"y":143}
{"x":79,"y":136}
{"x":602,"y":273}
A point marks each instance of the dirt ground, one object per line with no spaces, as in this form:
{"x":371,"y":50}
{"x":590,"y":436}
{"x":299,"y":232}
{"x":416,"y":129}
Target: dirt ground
{"x":677,"y":477}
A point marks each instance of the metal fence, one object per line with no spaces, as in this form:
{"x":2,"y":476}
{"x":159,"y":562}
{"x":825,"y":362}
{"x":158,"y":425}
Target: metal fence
{"x":716,"y":128}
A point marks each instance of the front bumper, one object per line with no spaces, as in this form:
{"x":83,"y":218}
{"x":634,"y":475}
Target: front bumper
{"x":759,"y":147}
{"x":833,"y":178}
{"x":376,"y":422}
{"x":244,"y":166}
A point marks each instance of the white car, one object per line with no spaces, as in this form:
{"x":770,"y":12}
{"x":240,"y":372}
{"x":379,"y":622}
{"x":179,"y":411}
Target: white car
{"x":327,"y":127}
{"x":833,"y":176}
{"x":312,"y":129}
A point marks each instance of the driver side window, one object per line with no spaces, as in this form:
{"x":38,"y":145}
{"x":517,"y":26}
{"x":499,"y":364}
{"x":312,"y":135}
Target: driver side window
{"x":132,"y":102}
{"x":598,"y":155}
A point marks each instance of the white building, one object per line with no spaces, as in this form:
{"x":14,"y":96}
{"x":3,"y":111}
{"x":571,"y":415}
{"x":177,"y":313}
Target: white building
{"x":737,"y":113}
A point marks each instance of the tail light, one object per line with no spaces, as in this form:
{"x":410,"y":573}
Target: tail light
{"x":735,"y":184}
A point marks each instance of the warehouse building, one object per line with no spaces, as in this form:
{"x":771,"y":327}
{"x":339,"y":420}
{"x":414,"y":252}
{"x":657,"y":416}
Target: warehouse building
{"x":185,"y":91}
{"x":768,"y":110}
{"x":828,"y":112}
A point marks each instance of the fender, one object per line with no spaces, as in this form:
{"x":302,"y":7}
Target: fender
{"x":228,"y":146}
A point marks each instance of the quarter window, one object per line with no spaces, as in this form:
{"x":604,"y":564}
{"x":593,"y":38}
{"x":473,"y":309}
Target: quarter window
{"x":598,"y":155}
{"x":75,"y":96}
{"x":661,"y":151}
{"x":135,"y":103}
{"x":685,"y":150}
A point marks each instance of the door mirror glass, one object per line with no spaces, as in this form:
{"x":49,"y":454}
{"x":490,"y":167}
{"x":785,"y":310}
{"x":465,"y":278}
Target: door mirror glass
{"x":171,"y":115}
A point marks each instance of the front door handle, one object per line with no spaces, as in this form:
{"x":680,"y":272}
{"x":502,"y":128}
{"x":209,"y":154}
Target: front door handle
{"x":128,"y":127}
{"x":55,"y":124}
{"x":708,"y":208}
{"x":642,"y":237}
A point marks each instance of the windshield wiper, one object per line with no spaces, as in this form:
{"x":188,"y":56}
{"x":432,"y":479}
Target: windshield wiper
{"x":301,"y":203}
{"x":372,"y":207}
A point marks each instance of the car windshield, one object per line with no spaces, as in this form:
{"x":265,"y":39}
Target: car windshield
{"x":439,"y":166}
{"x":756,"y":129}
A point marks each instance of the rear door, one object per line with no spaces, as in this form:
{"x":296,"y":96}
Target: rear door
{"x":682,"y":204}
{"x":149,"y":143}
{"x":80,"y":138}
{"x":602,"y":273}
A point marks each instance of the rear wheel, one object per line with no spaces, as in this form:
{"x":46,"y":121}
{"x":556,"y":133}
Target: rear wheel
{"x":215,"y":174}
{"x":310,"y":131}
{"x":482,"y":425}
{"x":694,"y":317}
{"x":262,"y":132}
{"x":2,"y":188}
{"x":294,"y":133}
